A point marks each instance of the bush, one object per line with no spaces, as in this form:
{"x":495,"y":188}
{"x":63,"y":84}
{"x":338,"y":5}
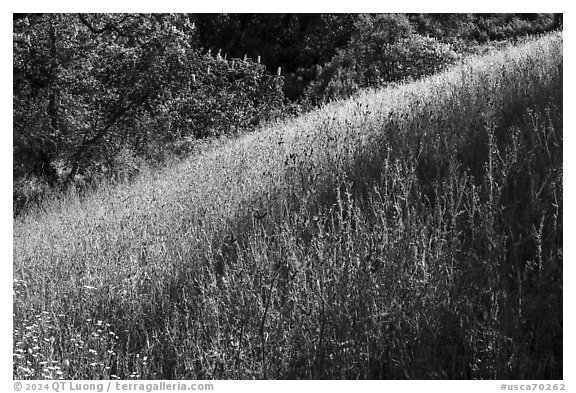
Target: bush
{"x":224,"y":97}
{"x":384,"y":50}
{"x":509,"y":26}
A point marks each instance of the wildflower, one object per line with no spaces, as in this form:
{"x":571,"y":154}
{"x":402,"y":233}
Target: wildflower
{"x":25,"y":370}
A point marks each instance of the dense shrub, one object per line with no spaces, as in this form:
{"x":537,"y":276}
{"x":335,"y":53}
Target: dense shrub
{"x":226,"y":96}
{"x":295,"y":42}
{"x":466,"y":29}
{"x":383,"y":50}
{"x":510,"y":26}
{"x":300,"y":42}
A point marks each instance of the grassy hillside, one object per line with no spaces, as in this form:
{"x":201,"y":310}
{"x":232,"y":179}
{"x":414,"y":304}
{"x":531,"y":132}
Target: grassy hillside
{"x":410,"y":232}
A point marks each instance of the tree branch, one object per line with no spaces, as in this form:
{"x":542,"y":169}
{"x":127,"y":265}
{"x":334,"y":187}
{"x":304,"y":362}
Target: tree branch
{"x":92,"y":28}
{"x":107,"y":26}
{"x":85,"y":146}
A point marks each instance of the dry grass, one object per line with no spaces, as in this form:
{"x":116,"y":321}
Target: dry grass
{"x":410,"y":232}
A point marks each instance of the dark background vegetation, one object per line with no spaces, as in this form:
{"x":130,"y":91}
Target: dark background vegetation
{"x":101,"y":95}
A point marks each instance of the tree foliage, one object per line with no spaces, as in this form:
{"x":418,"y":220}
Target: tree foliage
{"x":295,"y":42}
{"x":383,"y":49}
{"x":299,"y":43}
{"x":89,"y":87}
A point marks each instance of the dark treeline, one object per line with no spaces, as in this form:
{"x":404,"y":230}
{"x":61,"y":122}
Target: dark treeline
{"x":98,"y":95}
{"x":300,"y":43}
